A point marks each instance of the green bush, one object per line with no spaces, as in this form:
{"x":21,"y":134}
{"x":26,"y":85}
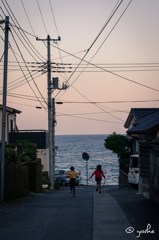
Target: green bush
{"x":11,"y":155}
{"x":46,"y":180}
{"x":57,"y":184}
{"x":26,"y":151}
{"x":21,"y":151}
{"x":117,"y":143}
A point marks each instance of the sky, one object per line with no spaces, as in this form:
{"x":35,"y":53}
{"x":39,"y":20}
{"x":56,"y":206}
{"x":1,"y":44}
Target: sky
{"x":118,"y":43}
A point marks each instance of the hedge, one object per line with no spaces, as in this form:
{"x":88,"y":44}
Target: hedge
{"x":35,"y":175}
{"x":15,"y":181}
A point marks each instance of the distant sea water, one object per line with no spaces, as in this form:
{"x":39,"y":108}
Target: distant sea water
{"x":69,"y":153}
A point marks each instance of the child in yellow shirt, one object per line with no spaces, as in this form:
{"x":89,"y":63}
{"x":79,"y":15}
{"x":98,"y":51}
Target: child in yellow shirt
{"x":73,"y":174}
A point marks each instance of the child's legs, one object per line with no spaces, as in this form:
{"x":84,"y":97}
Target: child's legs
{"x":99,"y":185}
{"x":72,"y":184}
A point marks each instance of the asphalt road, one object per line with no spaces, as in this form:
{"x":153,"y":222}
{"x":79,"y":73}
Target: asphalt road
{"x":59,"y":216}
{"x":51,"y":216}
{"x":139,"y":210}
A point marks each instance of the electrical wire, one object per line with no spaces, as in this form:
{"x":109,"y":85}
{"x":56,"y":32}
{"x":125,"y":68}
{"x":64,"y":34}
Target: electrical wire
{"x":112,"y":14}
{"x":53,"y":17}
{"x":2,"y":57}
{"x":12,"y":85}
{"x":62,"y":114}
{"x":22,"y":104}
{"x":75,"y":102}
{"x":96,"y":53}
{"x":127,"y":101}
{"x":21,"y":84}
{"x":108,"y":20}
{"x":65,"y":75}
{"x":30,"y":75}
{"x":105,"y":70}
{"x":42,"y":17}
{"x":27,"y":16}
{"x":24,"y":37}
{"x":97,"y":105}
{"x":102,"y":43}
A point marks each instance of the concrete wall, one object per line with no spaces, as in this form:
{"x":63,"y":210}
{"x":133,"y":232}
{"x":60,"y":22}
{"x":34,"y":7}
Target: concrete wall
{"x":41,"y":153}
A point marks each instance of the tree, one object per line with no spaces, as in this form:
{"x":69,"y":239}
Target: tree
{"x":118,"y":144}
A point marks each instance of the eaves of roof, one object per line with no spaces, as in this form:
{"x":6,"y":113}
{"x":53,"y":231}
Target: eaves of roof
{"x":145,"y":124}
{"x":10,"y":110}
{"x":138,"y":113}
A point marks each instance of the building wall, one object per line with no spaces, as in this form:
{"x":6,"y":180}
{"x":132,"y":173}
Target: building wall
{"x":149,"y":169}
{"x":41,"y":153}
{"x":154,"y":173}
{"x":150,"y":136}
{"x":144,"y":154}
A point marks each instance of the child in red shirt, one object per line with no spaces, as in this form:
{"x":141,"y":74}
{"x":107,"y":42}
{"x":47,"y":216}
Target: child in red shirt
{"x":98,"y":175}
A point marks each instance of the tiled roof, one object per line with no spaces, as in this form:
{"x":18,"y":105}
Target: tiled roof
{"x":143,"y":124}
{"x":141,"y":112}
{"x":138,"y":113}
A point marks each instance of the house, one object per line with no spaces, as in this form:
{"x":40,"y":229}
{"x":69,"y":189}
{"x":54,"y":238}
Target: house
{"x":13,"y":133}
{"x":11,"y":124}
{"x":142,"y":125}
{"x":39,"y":137}
{"x":143,"y":131}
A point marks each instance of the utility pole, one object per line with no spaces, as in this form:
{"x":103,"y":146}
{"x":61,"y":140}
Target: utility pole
{"x":50,"y":132}
{"x":53,"y":136}
{"x":4,"y":104}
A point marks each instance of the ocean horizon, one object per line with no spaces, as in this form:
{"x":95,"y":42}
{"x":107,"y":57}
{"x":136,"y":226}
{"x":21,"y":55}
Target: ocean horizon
{"x":69,"y":153}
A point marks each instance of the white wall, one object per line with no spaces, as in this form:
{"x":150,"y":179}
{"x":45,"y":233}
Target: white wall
{"x":41,"y":153}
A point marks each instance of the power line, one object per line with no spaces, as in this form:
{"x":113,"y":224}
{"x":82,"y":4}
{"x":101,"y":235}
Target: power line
{"x":117,"y":75}
{"x":30,"y":75}
{"x":96,"y":102}
{"x":94,"y":55}
{"x":54,"y":18}
{"x":35,"y":100}
{"x":102,"y":43}
{"x":12,"y":85}
{"x":42,"y":17}
{"x":110,"y":17}
{"x":27,"y":41}
{"x":136,"y":101}
{"x":62,"y":114}
{"x":97,"y":105}
{"x":22,"y":104}
{"x":112,"y":14}
{"x":27,"y":16}
{"x":58,"y":35}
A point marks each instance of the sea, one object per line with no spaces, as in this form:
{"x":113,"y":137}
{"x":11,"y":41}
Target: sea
{"x":69,"y":153}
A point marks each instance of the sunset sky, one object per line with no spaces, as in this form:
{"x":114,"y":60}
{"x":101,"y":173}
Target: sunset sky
{"x":119,"y":72}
